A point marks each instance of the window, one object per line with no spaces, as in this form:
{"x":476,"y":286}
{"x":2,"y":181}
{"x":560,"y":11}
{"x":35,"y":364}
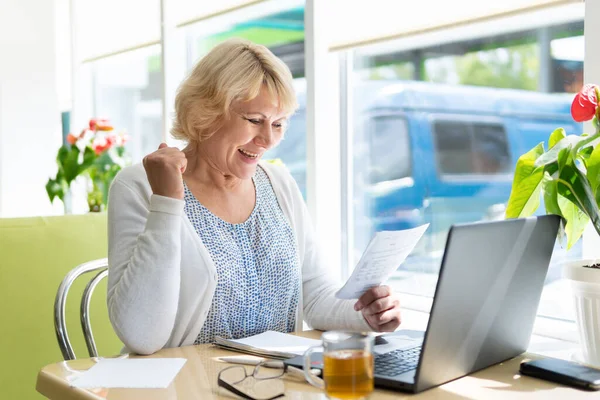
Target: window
{"x":464,"y":148}
{"x":292,"y":149}
{"x":454,"y":116}
{"x":127,"y":89}
{"x":389,"y":149}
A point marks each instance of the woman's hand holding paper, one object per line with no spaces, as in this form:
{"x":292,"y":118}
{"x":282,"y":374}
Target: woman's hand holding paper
{"x":380,"y":307}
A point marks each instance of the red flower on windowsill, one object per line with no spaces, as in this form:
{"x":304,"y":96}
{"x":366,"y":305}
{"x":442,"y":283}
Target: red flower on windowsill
{"x":71,"y":139}
{"x":101,"y":143}
{"x":99,"y":124}
{"x":97,"y":152}
{"x":585,"y":103}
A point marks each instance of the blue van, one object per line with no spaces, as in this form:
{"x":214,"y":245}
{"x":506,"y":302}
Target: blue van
{"x":435,"y":153}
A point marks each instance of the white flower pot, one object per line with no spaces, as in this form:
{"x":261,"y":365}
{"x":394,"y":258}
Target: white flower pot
{"x":585,"y":283}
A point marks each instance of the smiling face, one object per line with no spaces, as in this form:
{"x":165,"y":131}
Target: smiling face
{"x":253,"y":127}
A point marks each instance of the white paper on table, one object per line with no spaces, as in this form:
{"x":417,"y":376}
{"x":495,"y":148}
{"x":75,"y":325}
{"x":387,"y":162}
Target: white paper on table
{"x":151,"y":373}
{"x":384,"y":254}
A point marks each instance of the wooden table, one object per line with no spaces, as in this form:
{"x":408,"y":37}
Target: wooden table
{"x":198,"y":380}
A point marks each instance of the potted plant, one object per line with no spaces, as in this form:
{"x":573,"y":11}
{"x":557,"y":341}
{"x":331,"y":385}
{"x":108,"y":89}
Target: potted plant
{"x":566,"y":175}
{"x":98,"y":153}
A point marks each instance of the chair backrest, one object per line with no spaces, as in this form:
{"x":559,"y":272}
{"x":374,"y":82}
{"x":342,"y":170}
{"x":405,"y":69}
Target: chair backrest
{"x":100,"y":267}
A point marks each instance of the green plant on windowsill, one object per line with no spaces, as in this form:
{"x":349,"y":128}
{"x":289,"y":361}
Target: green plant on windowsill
{"x":97,"y":153}
{"x":566,"y":174}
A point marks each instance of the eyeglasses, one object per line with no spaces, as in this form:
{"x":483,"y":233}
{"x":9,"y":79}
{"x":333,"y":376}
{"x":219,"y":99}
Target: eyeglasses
{"x":261,"y":385}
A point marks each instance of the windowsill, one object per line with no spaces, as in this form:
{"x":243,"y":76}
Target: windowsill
{"x":551,"y":338}
{"x":549,"y":346}
{"x":557,"y":328}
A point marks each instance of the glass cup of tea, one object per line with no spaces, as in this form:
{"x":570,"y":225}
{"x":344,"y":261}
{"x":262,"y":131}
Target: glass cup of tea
{"x":347,"y":365}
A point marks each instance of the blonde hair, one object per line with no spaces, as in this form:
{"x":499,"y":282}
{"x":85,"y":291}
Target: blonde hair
{"x":236,"y":69}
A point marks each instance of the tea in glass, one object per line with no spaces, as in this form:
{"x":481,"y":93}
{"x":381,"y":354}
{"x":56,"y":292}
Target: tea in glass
{"x":348,"y":374}
{"x":347,"y":365}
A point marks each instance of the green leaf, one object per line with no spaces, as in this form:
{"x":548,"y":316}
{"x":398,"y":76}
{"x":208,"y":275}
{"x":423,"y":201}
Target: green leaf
{"x":71,"y":164}
{"x":576,"y":220}
{"x":61,"y":156}
{"x":551,"y":155}
{"x":551,"y":195}
{"x":89,"y":157}
{"x":564,"y":156}
{"x":550,"y":189}
{"x":585,"y":153}
{"x":556,"y":137}
{"x":54,"y":188}
{"x":593,"y":168}
{"x":585,"y":142}
{"x":51,"y":188}
{"x":574,"y":185}
{"x":525,"y":194}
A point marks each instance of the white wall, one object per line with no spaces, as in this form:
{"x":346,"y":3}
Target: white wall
{"x":30,"y":131}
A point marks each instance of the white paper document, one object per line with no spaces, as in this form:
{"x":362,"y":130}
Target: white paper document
{"x":277,"y":342}
{"x":153,"y":373}
{"x":384,"y":254}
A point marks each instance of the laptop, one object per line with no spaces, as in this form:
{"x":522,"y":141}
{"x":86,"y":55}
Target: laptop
{"x":486,"y":299}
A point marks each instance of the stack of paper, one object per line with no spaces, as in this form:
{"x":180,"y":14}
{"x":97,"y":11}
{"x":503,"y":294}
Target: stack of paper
{"x":269,"y":344}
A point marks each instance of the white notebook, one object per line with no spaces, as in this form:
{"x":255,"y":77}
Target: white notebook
{"x":269,"y":344}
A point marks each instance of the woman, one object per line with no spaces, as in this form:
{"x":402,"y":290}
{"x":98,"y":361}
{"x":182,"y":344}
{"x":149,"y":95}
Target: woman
{"x":209,"y":240}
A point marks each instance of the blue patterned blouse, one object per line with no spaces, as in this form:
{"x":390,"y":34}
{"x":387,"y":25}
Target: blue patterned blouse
{"x":257,"y":265}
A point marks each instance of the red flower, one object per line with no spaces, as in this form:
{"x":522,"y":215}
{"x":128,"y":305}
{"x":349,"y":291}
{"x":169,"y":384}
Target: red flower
{"x":585,"y":103}
{"x":71,"y":139}
{"x":97,"y":124}
{"x":102,"y":143}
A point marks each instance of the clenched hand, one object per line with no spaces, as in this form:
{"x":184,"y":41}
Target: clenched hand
{"x":165,"y":168}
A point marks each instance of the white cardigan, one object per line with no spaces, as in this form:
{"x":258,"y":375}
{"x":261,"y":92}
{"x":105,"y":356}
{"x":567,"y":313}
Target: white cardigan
{"x":162,"y":280}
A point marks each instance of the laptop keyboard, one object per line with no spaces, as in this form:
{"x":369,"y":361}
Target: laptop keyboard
{"x":397,"y":362}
